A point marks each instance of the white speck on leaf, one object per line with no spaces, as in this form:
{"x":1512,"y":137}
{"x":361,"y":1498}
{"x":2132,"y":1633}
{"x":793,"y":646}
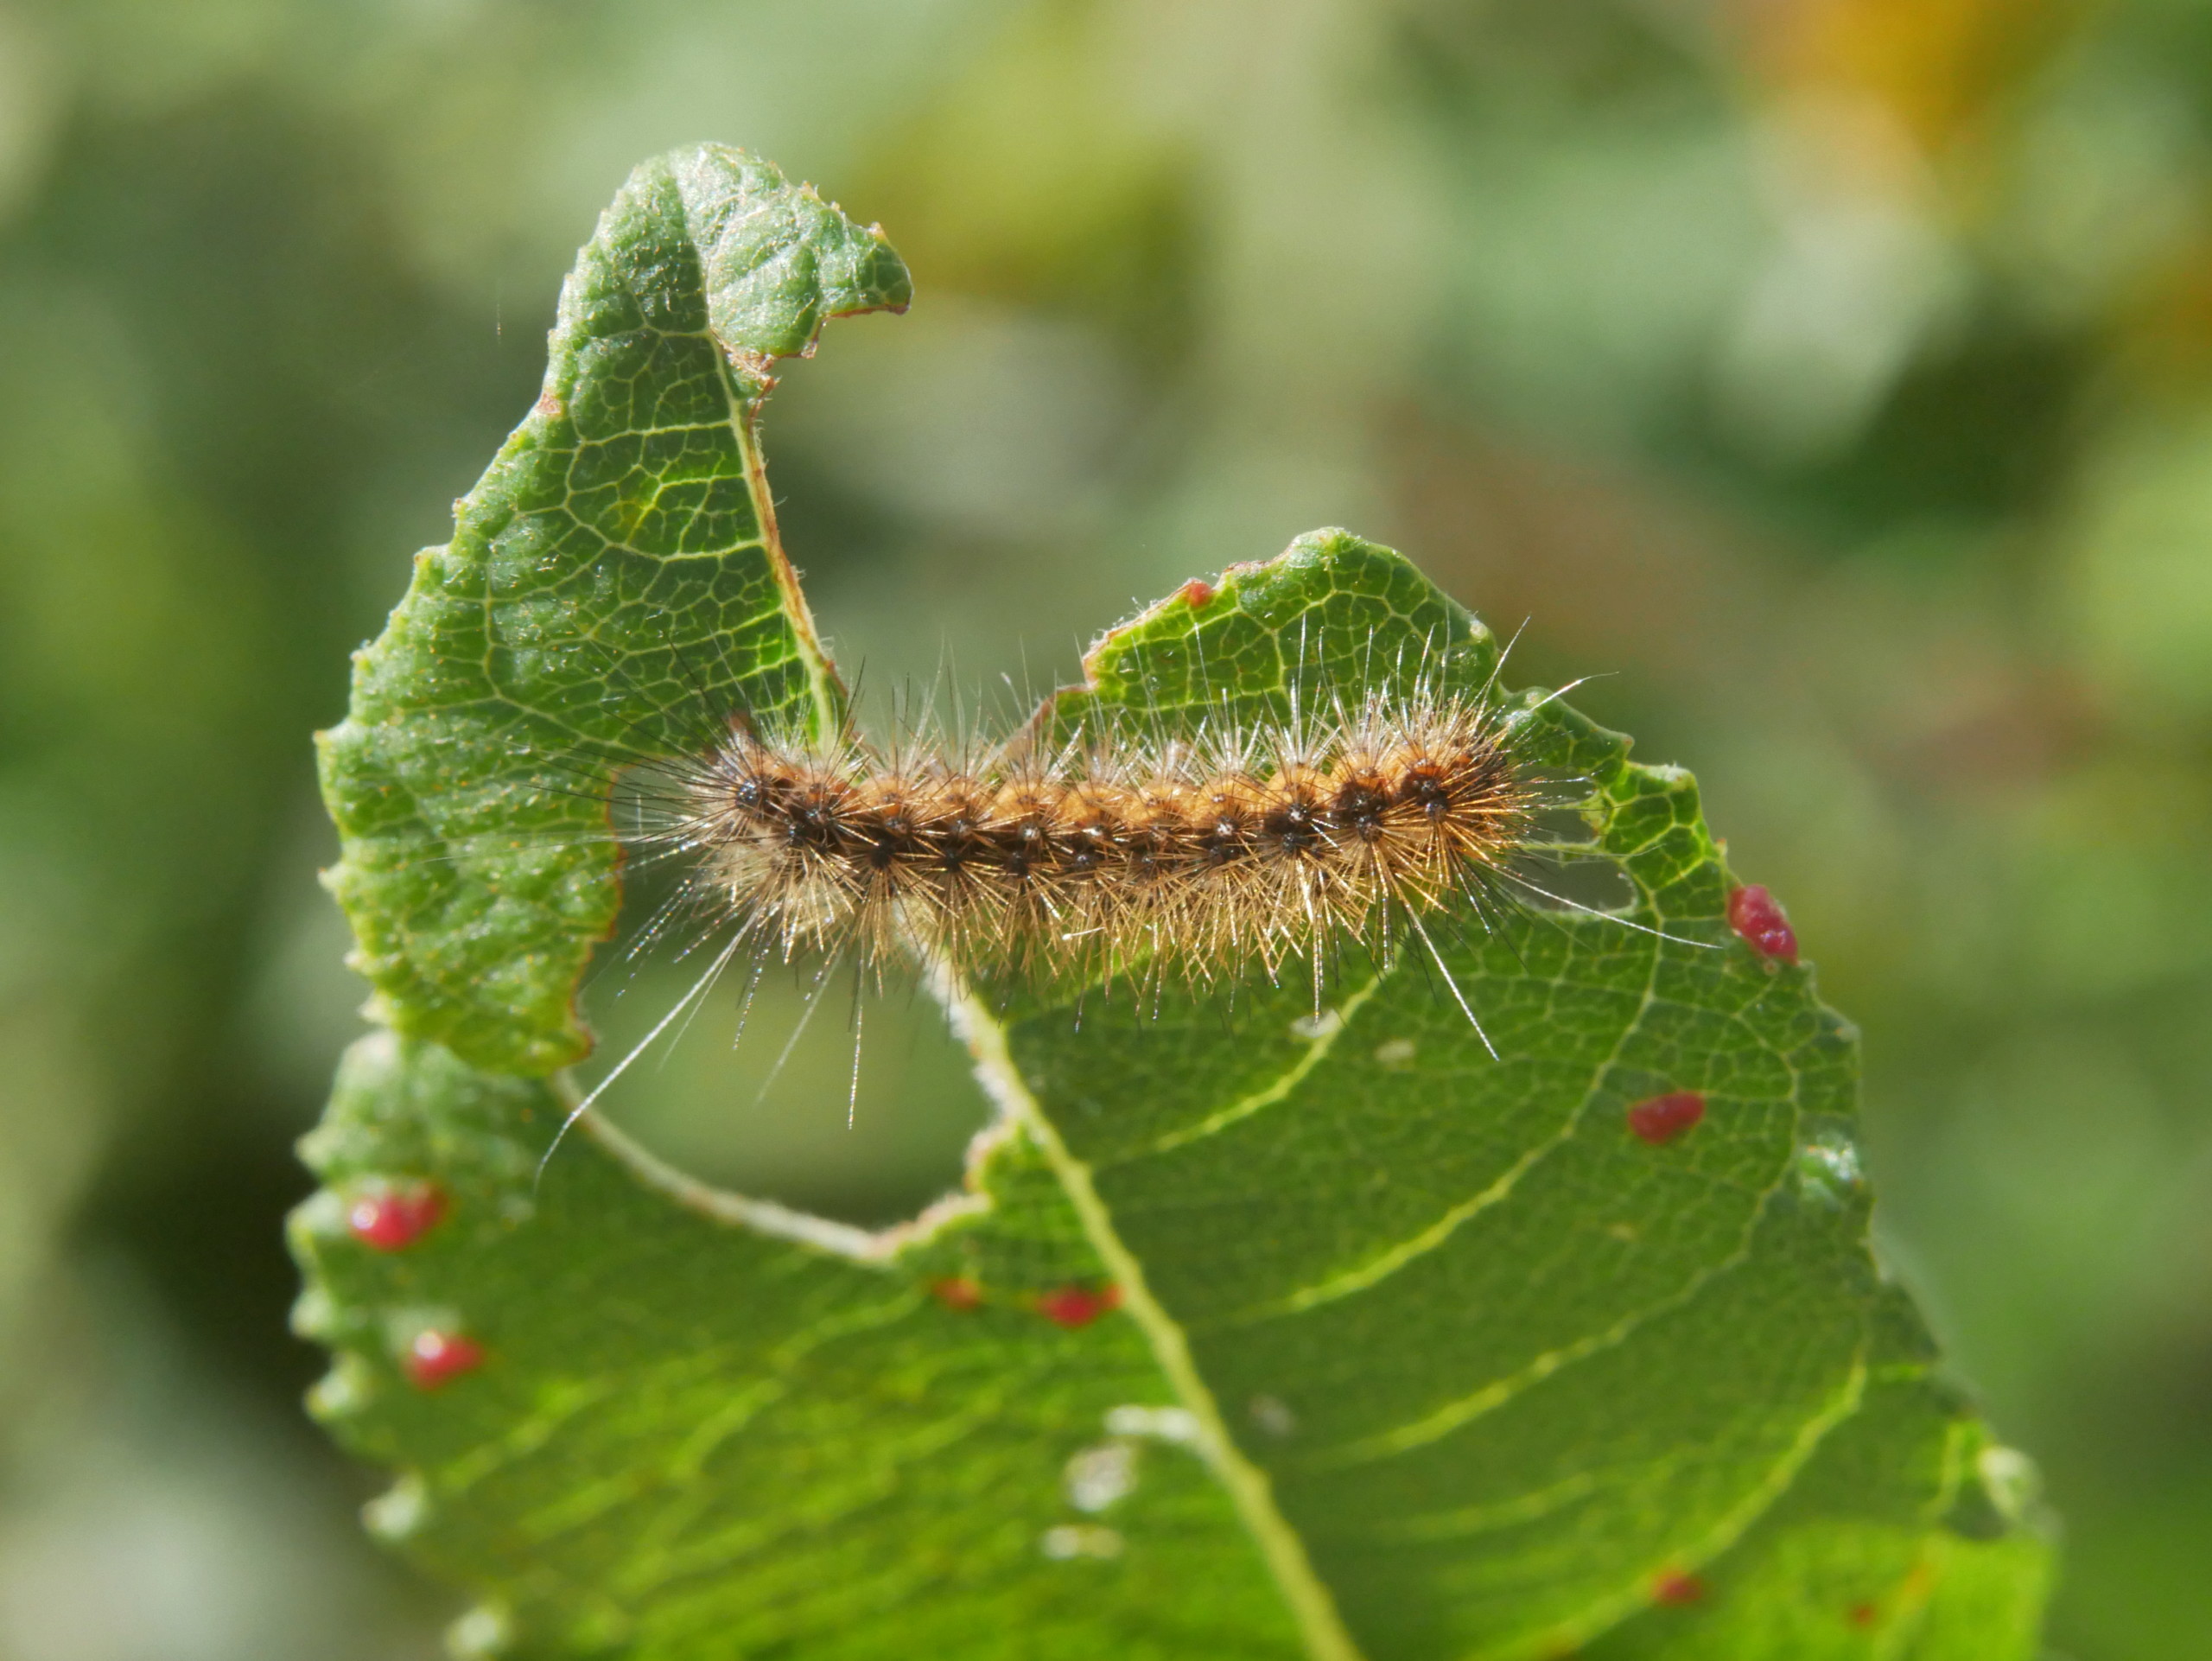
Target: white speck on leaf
{"x":1071,"y":1540}
{"x":1175,"y":1424}
{"x":1098,"y":1476}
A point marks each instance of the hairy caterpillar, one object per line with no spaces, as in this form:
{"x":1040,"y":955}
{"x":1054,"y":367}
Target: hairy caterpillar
{"x":1120,"y":854}
{"x":1107,"y":857}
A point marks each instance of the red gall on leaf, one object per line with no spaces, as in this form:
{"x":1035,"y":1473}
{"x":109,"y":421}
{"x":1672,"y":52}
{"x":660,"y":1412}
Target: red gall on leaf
{"x":1665,"y":1118}
{"x":1078,"y":1306}
{"x":392,"y":1219}
{"x":1754,"y":913}
{"x":436,"y":1358}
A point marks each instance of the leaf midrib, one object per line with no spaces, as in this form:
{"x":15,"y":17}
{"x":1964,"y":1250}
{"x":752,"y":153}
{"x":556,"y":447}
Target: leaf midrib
{"x":1310,"y":1603}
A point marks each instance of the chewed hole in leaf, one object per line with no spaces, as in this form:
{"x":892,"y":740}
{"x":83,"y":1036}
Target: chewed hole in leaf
{"x":769,"y":1111}
{"x":1568,"y":880}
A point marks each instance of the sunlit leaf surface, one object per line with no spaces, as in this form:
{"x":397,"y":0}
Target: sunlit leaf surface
{"x":1262,"y":1328}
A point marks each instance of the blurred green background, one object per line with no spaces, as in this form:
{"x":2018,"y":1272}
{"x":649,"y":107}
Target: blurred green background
{"x":1834,"y":376}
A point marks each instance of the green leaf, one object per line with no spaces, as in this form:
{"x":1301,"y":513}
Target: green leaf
{"x":1450,"y":1362}
{"x":1497,"y":1373}
{"x":613,"y":572}
{"x":706,"y":1427}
